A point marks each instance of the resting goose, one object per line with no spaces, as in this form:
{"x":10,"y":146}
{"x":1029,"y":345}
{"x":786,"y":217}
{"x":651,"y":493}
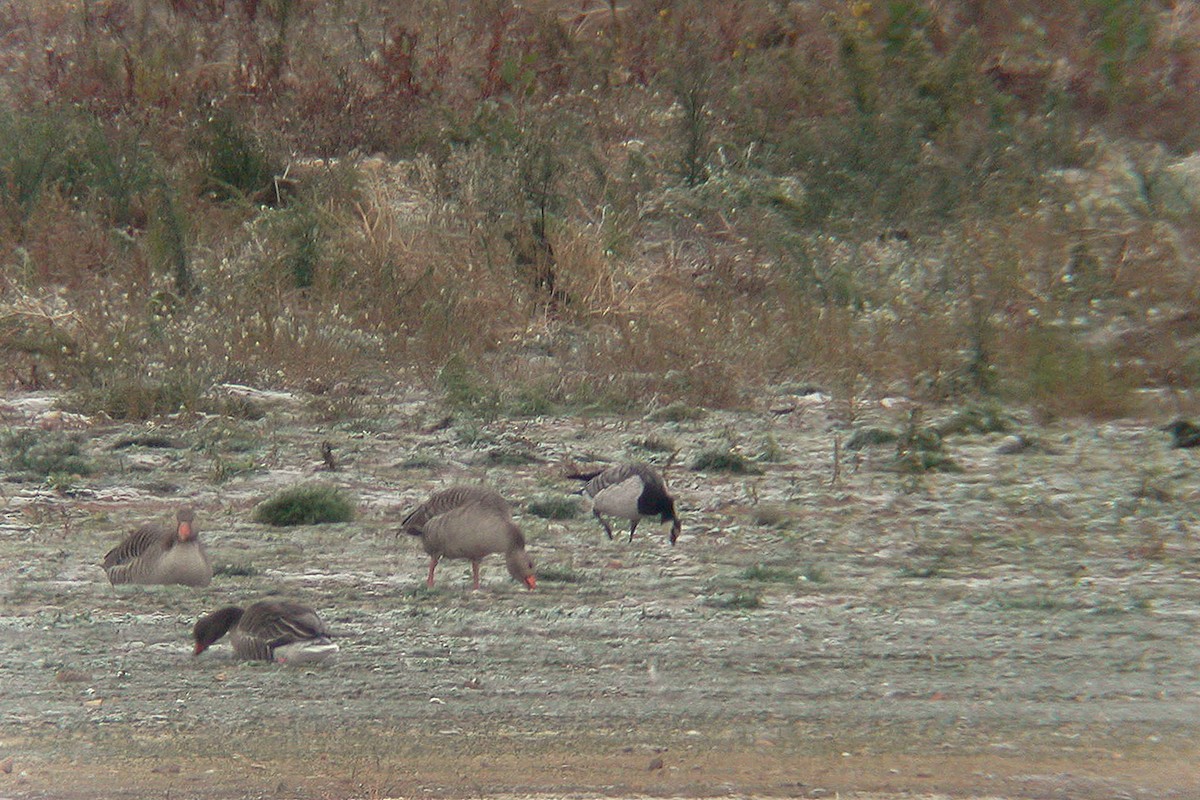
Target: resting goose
{"x":470,"y":522}
{"x":270,"y":630}
{"x":161,"y":554}
{"x":632,"y":491}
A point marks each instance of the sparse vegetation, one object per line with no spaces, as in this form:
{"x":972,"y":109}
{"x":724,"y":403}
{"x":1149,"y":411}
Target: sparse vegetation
{"x":42,"y":454}
{"x":236,"y":570}
{"x":934,"y":208}
{"x":768,"y":574}
{"x":771,"y":515}
{"x":724,"y":460}
{"x":865,"y":437}
{"x":559,"y":574}
{"x":975,"y":418}
{"x":305,"y":505}
{"x":553,"y":507}
{"x":736,"y":601}
{"x":677,"y":412}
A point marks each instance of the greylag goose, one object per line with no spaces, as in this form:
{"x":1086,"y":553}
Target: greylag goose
{"x":161,"y":554}
{"x":470,"y":522}
{"x":270,"y":630}
{"x":632,"y":491}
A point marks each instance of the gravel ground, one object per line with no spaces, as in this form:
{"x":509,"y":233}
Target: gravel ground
{"x":1024,"y":628}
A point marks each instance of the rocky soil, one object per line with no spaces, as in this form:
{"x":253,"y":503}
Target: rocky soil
{"x":1023,"y":628}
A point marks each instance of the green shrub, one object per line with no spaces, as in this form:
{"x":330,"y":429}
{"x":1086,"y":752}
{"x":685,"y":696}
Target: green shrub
{"x":236,"y":164}
{"x":771,"y":515}
{"x":553,"y":507}
{"x":735,"y":601}
{"x":717,"y":460}
{"x":139,"y":398}
{"x":865,"y":437}
{"x":677,"y":412}
{"x":975,"y":418}
{"x":555,"y":574}
{"x":654,"y":444}
{"x":766,"y":574}
{"x":509,"y":457}
{"x":1065,"y":378}
{"x":467,"y":390}
{"x":43,"y":453}
{"x":305,"y":505}
{"x":238,"y":570}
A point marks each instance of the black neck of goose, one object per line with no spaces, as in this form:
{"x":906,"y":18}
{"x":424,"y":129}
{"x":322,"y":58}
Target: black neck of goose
{"x":652,"y":503}
{"x":212,"y":627}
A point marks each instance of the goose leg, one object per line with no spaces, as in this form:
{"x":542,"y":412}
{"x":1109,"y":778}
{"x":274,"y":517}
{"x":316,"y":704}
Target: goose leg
{"x":607,"y":528}
{"x":633,"y":528}
{"x":475,"y":574}
{"x":433,"y":562}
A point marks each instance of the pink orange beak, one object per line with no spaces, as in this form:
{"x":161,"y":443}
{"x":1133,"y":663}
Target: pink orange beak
{"x":185,"y":531}
{"x":531,"y":582}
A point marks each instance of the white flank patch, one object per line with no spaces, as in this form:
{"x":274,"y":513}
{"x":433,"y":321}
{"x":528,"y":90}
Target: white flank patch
{"x":304,"y":652}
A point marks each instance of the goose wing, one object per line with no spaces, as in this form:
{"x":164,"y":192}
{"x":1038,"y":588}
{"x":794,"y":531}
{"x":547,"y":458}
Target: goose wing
{"x":619,"y":473}
{"x":279,"y":623}
{"x":137,"y":544}
{"x":450,"y":499}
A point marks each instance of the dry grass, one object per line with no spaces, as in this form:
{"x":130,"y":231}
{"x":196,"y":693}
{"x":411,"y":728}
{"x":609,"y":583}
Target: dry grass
{"x":624,"y":209}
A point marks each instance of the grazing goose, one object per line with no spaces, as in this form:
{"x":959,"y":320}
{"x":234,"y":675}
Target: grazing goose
{"x":161,"y":554}
{"x":470,"y":522}
{"x":270,"y":630}
{"x":632,"y":491}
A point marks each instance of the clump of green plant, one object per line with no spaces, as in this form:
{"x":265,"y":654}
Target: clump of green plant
{"x":533,"y":399}
{"x":237,"y":570}
{"x":975,"y":418}
{"x":771,"y":515}
{"x":138,"y":397}
{"x":224,"y":469}
{"x":772,"y":451}
{"x":735,"y":601}
{"x":557,"y":574}
{"x":654,"y":444}
{"x":865,"y":437}
{"x":467,"y":390}
{"x":814,"y":573}
{"x":724,"y":460}
{"x":236,"y":165}
{"x":153,"y":440}
{"x":1065,"y":378}
{"x":677,"y":412}
{"x":914,"y":461}
{"x":305,"y":505}
{"x":509,"y":457}
{"x":919,"y":449}
{"x":236,"y":407}
{"x":553,"y":507}
{"x":44,"y":453}
{"x":768,"y":574}
{"x":421,"y":461}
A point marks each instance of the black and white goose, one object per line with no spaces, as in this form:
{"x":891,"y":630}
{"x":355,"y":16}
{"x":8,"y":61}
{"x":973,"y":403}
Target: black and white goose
{"x":270,"y":630}
{"x":633,"y":491}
